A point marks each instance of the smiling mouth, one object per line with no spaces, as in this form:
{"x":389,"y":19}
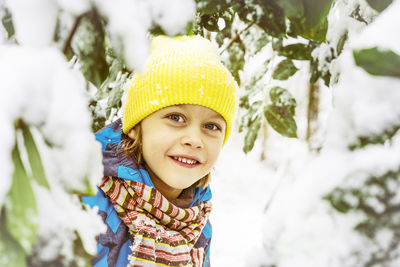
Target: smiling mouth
{"x":184,"y":162}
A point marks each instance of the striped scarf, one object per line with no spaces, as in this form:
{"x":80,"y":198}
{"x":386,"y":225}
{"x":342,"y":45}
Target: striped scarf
{"x":162,"y":233}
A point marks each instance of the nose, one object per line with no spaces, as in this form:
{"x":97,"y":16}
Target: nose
{"x":192,"y":138}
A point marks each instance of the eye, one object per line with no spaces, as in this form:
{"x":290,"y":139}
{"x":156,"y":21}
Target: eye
{"x":211,"y":126}
{"x":176,"y":117}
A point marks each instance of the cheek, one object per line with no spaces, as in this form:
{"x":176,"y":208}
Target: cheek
{"x":154,"y":145}
{"x":214,"y":153}
{"x":148,"y":145}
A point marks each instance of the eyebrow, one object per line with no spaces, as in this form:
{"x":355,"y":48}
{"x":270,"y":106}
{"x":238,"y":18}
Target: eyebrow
{"x":215,"y":115}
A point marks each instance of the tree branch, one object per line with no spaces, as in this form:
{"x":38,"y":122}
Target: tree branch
{"x":72,"y":33}
{"x":237,"y":37}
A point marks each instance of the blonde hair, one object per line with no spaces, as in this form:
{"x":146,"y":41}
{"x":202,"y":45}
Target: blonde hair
{"x":133,"y":148}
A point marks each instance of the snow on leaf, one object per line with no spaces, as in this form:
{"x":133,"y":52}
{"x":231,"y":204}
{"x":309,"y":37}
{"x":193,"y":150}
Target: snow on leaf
{"x":282,"y":97}
{"x":284,"y":70}
{"x":281,"y":120}
{"x":35,"y":160}
{"x":21,"y":210}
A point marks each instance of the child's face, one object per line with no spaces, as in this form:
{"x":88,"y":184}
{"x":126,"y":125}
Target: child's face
{"x":180,"y":145}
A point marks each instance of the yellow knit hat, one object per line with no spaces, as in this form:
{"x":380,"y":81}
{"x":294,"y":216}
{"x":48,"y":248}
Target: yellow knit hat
{"x":181,"y":70}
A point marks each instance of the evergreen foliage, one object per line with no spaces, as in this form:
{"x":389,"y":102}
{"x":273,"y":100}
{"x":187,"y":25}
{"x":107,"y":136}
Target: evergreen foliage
{"x":374,"y":198}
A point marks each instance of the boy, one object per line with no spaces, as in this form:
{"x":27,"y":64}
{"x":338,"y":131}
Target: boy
{"x":154,"y":196}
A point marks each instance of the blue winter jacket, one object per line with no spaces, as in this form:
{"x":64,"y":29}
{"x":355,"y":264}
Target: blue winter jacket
{"x":113,"y":246}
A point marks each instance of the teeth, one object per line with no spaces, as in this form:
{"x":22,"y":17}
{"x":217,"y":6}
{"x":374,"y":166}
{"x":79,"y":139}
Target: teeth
{"x":184,"y":160}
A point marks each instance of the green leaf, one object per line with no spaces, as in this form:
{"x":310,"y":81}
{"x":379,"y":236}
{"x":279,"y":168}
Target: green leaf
{"x":210,"y":22}
{"x":211,"y":6}
{"x":21,"y":210}
{"x":88,"y":45}
{"x":379,"y":5}
{"x":284,"y":70}
{"x":34,"y":157}
{"x":336,"y":199}
{"x":257,"y":77}
{"x":273,"y":19}
{"x":80,"y":253}
{"x":116,"y":67}
{"x":244,"y":102}
{"x":314,"y":24}
{"x":211,"y":11}
{"x":277,"y":44}
{"x":251,"y":134}
{"x":281,"y":120}
{"x":292,"y":8}
{"x":341,"y":42}
{"x":114,"y":99}
{"x":157,"y":30}
{"x":377,"y":138}
{"x":88,"y":188}
{"x":236,"y":58}
{"x":228,"y":15}
{"x":252,"y":110}
{"x":268,"y":15}
{"x":11,"y":253}
{"x":7,"y":22}
{"x":317,"y":73}
{"x":261,"y":42}
{"x":296,"y":51}
{"x":283,"y":98}
{"x":378,"y":62}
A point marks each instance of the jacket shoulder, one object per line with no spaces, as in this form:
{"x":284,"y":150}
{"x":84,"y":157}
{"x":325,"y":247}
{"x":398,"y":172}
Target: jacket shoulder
{"x":113,"y":245}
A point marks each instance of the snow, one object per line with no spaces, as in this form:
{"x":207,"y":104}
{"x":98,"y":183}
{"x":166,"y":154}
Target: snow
{"x":74,"y":7}
{"x":55,"y":234}
{"x":129,"y":22}
{"x":265,"y":213}
{"x":299,"y":228}
{"x":382,"y":31}
{"x":42,"y":12}
{"x":6,"y":142}
{"x":174,"y":15}
{"x":370,"y":91}
{"x":221,"y":24}
{"x":240,"y":187}
{"x":50,"y":97}
{"x":356,"y":117}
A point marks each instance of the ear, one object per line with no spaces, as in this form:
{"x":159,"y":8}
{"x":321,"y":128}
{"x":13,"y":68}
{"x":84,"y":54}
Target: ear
{"x":132,"y":134}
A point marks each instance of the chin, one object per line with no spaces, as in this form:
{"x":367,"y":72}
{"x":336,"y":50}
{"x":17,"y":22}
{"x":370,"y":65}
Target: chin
{"x":181,"y":186}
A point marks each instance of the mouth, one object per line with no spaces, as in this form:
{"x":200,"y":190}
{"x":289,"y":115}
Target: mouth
{"x":185,"y":162}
